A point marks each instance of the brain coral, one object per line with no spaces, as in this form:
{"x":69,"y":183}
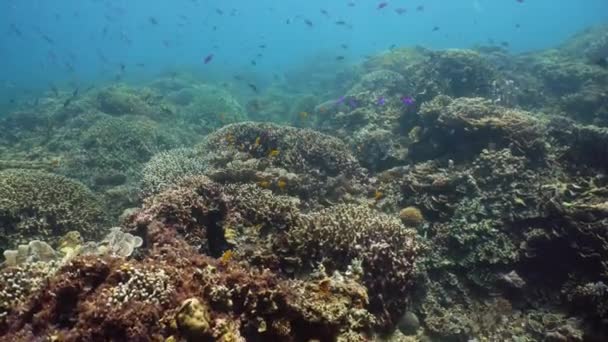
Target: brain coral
{"x":44,"y":206}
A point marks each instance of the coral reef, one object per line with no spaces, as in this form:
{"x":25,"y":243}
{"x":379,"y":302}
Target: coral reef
{"x":451,"y":195}
{"x":43,"y":206}
{"x":285,"y":159}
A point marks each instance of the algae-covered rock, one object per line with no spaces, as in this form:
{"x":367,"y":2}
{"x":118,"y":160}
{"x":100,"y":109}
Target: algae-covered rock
{"x":193,"y":320}
{"x":44,"y":206}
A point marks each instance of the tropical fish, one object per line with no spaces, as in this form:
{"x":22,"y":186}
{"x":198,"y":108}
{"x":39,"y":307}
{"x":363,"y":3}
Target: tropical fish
{"x":281,"y":184}
{"x":407,"y":100}
{"x":382,"y":5}
{"x":273,"y":153}
{"x":208,"y":59}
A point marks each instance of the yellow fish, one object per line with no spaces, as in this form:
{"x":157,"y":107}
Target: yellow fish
{"x":378,"y":195}
{"x":264,"y":184}
{"x":257,"y":141}
{"x":226,"y":257}
{"x":303,"y":115}
{"x":273,"y":153}
{"x":282,"y":184}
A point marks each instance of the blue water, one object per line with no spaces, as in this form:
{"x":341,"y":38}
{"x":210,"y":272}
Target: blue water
{"x":81,"y":41}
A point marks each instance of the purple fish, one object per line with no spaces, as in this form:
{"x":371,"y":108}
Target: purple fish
{"x":340,"y":101}
{"x":407,"y":100}
{"x":382,"y":5}
{"x":208,"y":59}
{"x":381,"y":101}
{"x":352,"y":103}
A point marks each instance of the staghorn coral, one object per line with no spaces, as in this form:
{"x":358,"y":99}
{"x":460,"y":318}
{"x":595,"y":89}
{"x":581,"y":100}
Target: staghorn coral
{"x":40,"y":205}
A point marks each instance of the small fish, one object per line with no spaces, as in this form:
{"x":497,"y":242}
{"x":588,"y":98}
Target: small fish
{"x":208,"y":58}
{"x":253,"y":62}
{"x":55,"y":90}
{"x":226,"y":257}
{"x":75,"y":92}
{"x":340,"y":100}
{"x":273,"y":153}
{"x":67,"y":102}
{"x":420,"y":8}
{"x":48,"y":39}
{"x":153,"y":21}
{"x":378,"y":195}
{"x":262,"y":46}
{"x":400,"y":10}
{"x":340,"y":58}
{"x":324,"y":12}
{"x":407,"y":100}
{"x":257,"y":142}
{"x":352,"y":103}
{"x":344,"y":46}
{"x":308,"y":23}
{"x":340,"y":22}
{"x":288,"y":21}
{"x":505,"y":44}
{"x":219,"y":11}
{"x":435,"y":28}
{"x":281,"y":184}
{"x":351,"y":4}
{"x":303,"y":115}
{"x":381,"y":101}
{"x":382,"y":5}
{"x":253,"y":87}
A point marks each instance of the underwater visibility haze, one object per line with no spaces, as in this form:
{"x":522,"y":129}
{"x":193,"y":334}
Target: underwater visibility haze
{"x":352,"y":170}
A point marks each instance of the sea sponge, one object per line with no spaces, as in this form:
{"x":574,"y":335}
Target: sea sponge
{"x":411,"y":216}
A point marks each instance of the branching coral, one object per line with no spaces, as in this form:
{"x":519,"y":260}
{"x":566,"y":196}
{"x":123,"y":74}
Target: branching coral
{"x":386,"y":248}
{"x":169,"y":168}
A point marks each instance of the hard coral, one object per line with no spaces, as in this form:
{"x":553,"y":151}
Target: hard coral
{"x":44,"y":206}
{"x":337,"y":235}
{"x":460,"y":128}
{"x":411,"y":216}
{"x":169,"y":168}
{"x":286,"y":159}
